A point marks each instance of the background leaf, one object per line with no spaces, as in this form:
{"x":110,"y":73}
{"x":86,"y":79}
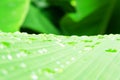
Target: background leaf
{"x":91,"y":17}
{"x":63,"y":4}
{"x":36,"y":21}
{"x":12,"y":14}
{"x":114,"y":24}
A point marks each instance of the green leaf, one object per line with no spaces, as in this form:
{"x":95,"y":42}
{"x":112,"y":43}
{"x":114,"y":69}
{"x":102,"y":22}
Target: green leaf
{"x":12,"y":14}
{"x":63,"y":4}
{"x":114,"y":24}
{"x":52,"y":57}
{"x":35,"y":20}
{"x":91,"y":17}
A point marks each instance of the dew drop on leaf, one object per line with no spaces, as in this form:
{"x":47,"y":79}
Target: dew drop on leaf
{"x":73,"y":58}
{"x":2,"y":46}
{"x":57,"y":62}
{"x":87,"y":48}
{"x":62,"y":66}
{"x":80,"y":51}
{"x":9,"y":57}
{"x":21,"y":54}
{"x":60,"y":44}
{"x":58,"y":70}
{"x":4,"y":72}
{"x":34,"y":76}
{"x":23,"y":65}
{"x":67,"y":62}
{"x":42,"y":51}
{"x":3,"y":57}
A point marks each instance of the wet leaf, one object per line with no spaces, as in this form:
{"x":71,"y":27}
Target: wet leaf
{"x":52,"y":57}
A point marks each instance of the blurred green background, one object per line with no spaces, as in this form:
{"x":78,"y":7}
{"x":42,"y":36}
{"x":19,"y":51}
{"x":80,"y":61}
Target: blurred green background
{"x":62,"y":17}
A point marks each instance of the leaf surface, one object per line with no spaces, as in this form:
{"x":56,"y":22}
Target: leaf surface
{"x":52,"y":57}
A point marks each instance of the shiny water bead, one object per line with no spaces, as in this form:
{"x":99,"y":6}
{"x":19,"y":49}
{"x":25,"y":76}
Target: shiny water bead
{"x":34,"y":76}
{"x":23,"y":65}
{"x":9,"y":56}
{"x":4,"y":72}
{"x":42,"y":51}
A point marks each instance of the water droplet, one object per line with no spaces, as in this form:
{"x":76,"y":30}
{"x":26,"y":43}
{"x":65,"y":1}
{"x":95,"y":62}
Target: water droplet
{"x":4,"y":72}
{"x":84,"y":37}
{"x":39,"y":71}
{"x":88,"y":48}
{"x":73,"y":59}
{"x":34,"y":76}
{"x":3,"y":57}
{"x":9,"y":57}
{"x":49,"y":75}
{"x":57,"y":62}
{"x":2,"y":46}
{"x":42,"y":51}
{"x":62,"y":66}
{"x":21,"y":54}
{"x":56,"y":69}
{"x":17,"y":33}
{"x":23,"y":65}
{"x":18,"y":39}
{"x":60,"y":44}
{"x":58,"y":40}
{"x":41,"y":4}
{"x":79,"y":51}
{"x":67,"y":62}
{"x":111,"y":50}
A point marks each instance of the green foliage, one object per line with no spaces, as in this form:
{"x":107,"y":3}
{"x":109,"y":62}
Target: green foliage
{"x":91,"y":17}
{"x":37,"y":21}
{"x":66,"y":17}
{"x":52,"y":57}
{"x":114,"y":25}
{"x":12,"y":14}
